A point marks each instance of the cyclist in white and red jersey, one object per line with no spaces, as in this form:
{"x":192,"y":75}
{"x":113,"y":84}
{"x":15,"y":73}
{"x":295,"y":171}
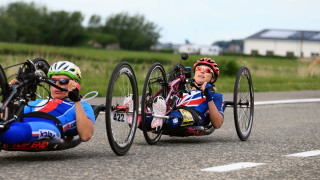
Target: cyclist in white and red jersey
{"x":40,"y":116}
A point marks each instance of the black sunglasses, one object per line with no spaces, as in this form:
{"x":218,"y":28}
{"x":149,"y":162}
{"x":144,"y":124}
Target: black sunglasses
{"x":62,"y":81}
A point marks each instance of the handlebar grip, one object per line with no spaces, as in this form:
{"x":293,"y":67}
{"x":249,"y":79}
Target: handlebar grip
{"x":55,"y":85}
{"x":192,"y":83}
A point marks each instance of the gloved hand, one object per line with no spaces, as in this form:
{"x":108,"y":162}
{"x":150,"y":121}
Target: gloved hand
{"x":208,"y":92}
{"x":74,"y":95}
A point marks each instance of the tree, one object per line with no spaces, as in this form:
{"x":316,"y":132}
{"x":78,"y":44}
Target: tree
{"x":8,"y":29}
{"x":133,"y":32}
{"x":94,"y":24}
{"x":29,"y":23}
{"x":63,"y":28}
{"x":27,"y":17}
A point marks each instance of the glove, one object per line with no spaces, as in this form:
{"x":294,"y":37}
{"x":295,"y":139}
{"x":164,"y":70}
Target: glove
{"x":74,"y":95}
{"x":208,"y":92}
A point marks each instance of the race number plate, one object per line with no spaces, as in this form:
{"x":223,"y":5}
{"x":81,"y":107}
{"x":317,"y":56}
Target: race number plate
{"x":119,"y":117}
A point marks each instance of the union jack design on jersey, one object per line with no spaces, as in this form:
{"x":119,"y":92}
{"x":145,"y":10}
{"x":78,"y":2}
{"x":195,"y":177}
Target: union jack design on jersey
{"x":198,"y":101}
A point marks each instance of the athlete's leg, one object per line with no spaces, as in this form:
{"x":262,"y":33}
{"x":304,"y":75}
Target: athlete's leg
{"x":173,"y":123}
{"x":32,"y":129}
{"x":42,"y":128}
{"x":170,"y":124}
{"x":181,"y":120}
{"x":17,"y":133}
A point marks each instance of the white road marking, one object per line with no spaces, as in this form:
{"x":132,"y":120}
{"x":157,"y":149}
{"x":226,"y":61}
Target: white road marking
{"x":287,"y":101}
{"x":231,"y":167}
{"x":305,"y":154}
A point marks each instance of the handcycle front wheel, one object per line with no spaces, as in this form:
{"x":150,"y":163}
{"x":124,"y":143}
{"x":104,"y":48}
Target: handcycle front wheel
{"x":4,"y":93}
{"x":243,"y":103}
{"x":122,"y":105}
{"x":155,"y":85}
{"x":42,"y":66}
{"x":174,"y":73}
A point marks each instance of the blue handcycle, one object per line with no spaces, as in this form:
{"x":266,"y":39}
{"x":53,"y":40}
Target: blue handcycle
{"x":121,"y":107}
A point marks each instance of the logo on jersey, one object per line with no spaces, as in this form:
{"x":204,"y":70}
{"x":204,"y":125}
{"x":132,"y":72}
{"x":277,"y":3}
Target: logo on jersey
{"x":47,"y":134}
{"x":70,"y":125}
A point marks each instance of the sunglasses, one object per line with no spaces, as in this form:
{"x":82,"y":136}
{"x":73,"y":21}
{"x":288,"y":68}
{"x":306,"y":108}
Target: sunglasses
{"x":205,"y":69}
{"x":62,"y":81}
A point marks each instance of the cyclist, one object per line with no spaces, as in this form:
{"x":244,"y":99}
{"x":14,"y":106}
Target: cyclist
{"x":197,"y":107}
{"x":38,"y":123}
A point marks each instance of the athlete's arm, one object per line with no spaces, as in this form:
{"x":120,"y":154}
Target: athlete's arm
{"x":85,"y":126}
{"x":215,"y":117}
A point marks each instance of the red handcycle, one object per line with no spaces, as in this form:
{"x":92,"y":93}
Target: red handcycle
{"x":157,"y":84}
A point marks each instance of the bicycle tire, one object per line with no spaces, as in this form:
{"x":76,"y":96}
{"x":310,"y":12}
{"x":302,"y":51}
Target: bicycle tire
{"x":174,"y":73}
{"x":4,"y":93}
{"x":42,"y":66}
{"x":243,"y":103}
{"x":146,"y":100}
{"x":120,"y":133}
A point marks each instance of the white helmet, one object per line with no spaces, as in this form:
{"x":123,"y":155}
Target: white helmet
{"x":65,"y":68}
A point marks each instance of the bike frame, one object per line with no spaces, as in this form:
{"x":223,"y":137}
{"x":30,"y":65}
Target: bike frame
{"x":173,"y":90}
{"x":18,"y":91}
{"x":173,"y":87}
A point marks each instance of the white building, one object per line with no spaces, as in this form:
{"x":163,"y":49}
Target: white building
{"x":283,"y":43}
{"x":210,"y":50}
{"x":189,"y":48}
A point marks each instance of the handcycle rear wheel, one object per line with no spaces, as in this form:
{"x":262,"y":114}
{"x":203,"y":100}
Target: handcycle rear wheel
{"x":155,"y":85}
{"x":4,"y":93}
{"x":243,"y":103}
{"x":122,"y":105}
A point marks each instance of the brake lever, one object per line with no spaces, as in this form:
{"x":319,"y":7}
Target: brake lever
{"x":192,"y":83}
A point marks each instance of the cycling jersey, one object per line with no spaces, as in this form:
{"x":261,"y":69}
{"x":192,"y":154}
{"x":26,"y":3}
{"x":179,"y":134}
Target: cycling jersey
{"x":37,"y":128}
{"x":195,"y":99}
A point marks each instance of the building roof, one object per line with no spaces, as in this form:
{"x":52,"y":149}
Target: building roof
{"x":277,"y":34}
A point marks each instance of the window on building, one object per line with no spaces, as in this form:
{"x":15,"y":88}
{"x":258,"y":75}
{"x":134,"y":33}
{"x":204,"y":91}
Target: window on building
{"x":314,"y":55}
{"x":254,"y":52}
{"x":290,"y":54}
{"x":269,"y":53}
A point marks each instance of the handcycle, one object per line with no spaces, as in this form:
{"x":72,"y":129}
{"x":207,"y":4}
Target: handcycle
{"x":33,"y":83}
{"x":157,"y":84}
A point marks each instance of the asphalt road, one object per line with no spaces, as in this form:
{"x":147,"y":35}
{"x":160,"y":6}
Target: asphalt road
{"x":278,"y":130}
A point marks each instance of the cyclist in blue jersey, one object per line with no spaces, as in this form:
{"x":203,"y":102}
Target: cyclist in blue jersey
{"x":76,"y":117}
{"x":197,"y":107}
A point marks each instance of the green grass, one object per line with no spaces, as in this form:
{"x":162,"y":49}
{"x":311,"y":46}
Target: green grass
{"x":269,"y":74}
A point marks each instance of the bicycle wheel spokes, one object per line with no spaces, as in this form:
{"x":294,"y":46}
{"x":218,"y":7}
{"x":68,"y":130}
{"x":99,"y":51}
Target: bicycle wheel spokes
{"x":244,"y":103}
{"x":120,"y":113}
{"x":122,"y":108}
{"x":155,"y":85}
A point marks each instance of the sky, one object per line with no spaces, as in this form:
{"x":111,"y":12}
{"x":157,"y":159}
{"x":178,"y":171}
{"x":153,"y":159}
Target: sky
{"x":201,"y":22}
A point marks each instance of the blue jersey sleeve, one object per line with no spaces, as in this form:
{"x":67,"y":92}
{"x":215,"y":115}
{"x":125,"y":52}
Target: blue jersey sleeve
{"x":89,"y":111}
{"x":219,"y":102}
